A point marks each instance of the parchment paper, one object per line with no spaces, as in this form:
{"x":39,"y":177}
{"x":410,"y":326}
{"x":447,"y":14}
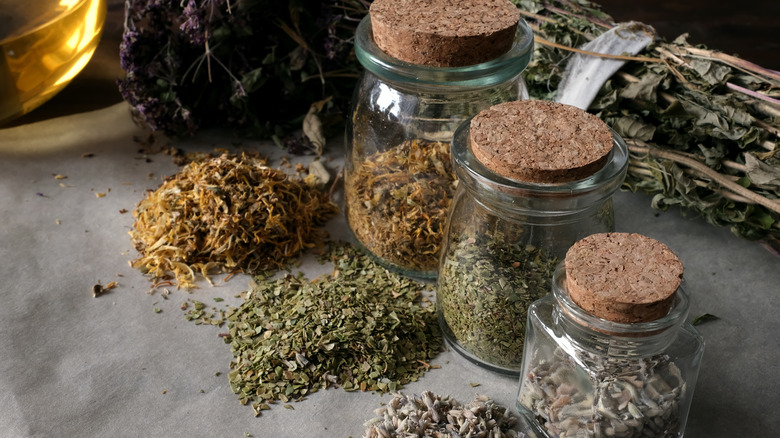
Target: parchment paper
{"x":76,"y":366}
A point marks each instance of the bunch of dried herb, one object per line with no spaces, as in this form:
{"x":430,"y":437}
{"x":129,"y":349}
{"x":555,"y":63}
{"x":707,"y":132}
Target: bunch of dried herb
{"x":702,"y":126}
{"x":397,"y":202}
{"x":361,"y":328}
{"x":431,"y":415}
{"x":486,"y":284}
{"x":227,"y":214}
{"x":253,"y":65}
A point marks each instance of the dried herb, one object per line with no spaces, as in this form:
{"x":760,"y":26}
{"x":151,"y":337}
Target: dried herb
{"x":253,"y":65}
{"x":99,"y":289}
{"x":485,"y":286}
{"x":703,"y":318}
{"x":361,"y":328}
{"x":227,"y":214}
{"x":431,"y":415}
{"x":397,"y":202}
{"x":699,"y":123}
{"x":618,"y":397}
{"x":200,"y":314}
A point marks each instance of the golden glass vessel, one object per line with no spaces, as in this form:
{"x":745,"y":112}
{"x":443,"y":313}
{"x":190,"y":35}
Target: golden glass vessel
{"x":43,"y":45}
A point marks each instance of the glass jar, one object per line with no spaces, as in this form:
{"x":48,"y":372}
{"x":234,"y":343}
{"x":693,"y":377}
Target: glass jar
{"x":503,"y":240}
{"x":399,"y":180}
{"x":44,"y":44}
{"x":587,"y":376}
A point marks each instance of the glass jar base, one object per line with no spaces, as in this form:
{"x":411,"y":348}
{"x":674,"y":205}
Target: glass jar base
{"x":424,"y":276}
{"x":452,"y":343}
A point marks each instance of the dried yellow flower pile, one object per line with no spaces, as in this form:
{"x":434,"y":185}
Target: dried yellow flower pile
{"x":227,"y":214}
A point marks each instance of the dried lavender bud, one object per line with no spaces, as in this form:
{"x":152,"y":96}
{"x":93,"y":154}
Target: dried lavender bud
{"x":431,"y":415}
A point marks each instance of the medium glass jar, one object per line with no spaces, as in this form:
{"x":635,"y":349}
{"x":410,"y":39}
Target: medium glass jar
{"x":590,"y":377}
{"x":503,"y":240}
{"x":399,"y":180}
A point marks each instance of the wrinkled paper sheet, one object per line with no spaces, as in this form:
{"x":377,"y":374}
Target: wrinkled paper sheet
{"x":76,"y":366}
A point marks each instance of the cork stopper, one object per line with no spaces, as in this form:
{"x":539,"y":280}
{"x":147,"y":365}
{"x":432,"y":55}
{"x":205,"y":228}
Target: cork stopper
{"x":444,"y":33}
{"x":540,"y":141}
{"x":621,"y":277}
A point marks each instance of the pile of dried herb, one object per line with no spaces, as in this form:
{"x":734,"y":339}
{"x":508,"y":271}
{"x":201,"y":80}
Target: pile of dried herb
{"x":397,"y":202}
{"x":361,"y":328}
{"x":227,"y":214}
{"x":702,"y":126}
{"x":431,"y":415}
{"x":486,"y":284}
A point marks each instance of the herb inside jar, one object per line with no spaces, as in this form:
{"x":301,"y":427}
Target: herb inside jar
{"x":486,"y":284}
{"x":397,"y":203}
{"x":622,"y":397}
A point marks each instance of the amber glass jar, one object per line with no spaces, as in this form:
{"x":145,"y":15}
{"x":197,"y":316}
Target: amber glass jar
{"x":399,"y":179}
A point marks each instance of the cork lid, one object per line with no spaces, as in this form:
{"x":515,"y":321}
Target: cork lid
{"x":540,"y":141}
{"x":621,"y":277}
{"x":444,"y":33}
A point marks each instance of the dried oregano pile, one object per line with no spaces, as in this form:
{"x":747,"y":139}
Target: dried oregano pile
{"x":431,"y":415}
{"x":227,"y":214}
{"x":360,"y":328}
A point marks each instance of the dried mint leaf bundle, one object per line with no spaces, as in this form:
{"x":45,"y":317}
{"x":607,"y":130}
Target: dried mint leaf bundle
{"x":360,"y":328}
{"x":227,"y":214}
{"x":701,"y":126}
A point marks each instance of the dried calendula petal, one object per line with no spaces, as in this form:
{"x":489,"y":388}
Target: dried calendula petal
{"x":227,"y":214}
{"x":398,"y":200}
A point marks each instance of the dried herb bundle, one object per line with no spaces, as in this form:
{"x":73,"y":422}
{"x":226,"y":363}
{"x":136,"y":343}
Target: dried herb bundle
{"x":702,"y":126}
{"x":431,"y":415}
{"x":398,"y":202}
{"x":253,"y":65}
{"x":361,"y":327}
{"x":226,"y":214}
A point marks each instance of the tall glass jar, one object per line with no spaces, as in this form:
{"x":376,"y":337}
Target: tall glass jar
{"x":399,"y":180}
{"x":587,"y":376}
{"x":503,"y":240}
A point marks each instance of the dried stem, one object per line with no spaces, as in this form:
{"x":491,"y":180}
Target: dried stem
{"x":540,"y":40}
{"x":640,"y":147}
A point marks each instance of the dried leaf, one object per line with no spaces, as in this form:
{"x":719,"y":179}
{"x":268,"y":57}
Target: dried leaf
{"x":762,"y":174}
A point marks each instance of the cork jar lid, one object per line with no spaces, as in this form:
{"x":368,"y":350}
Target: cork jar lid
{"x":444,"y":33}
{"x":622,"y":277}
{"x":540,"y":141}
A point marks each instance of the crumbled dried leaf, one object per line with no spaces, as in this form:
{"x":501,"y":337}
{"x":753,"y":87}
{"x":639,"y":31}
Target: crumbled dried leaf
{"x":292,"y":336}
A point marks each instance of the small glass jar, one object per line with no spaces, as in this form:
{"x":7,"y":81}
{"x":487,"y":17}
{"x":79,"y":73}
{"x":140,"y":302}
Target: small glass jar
{"x":590,"y":377}
{"x":503,"y":240}
{"x":399,"y":180}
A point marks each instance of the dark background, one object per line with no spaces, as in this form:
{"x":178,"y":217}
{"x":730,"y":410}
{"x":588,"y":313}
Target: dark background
{"x":750,"y":29}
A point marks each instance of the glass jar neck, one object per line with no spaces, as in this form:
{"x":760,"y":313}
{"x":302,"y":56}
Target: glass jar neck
{"x":613,"y":339}
{"x":500,"y":70}
{"x":537,"y":199}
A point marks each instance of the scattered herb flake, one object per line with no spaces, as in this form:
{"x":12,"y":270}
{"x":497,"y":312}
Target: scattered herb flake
{"x":701,"y":319}
{"x":292,"y":336}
